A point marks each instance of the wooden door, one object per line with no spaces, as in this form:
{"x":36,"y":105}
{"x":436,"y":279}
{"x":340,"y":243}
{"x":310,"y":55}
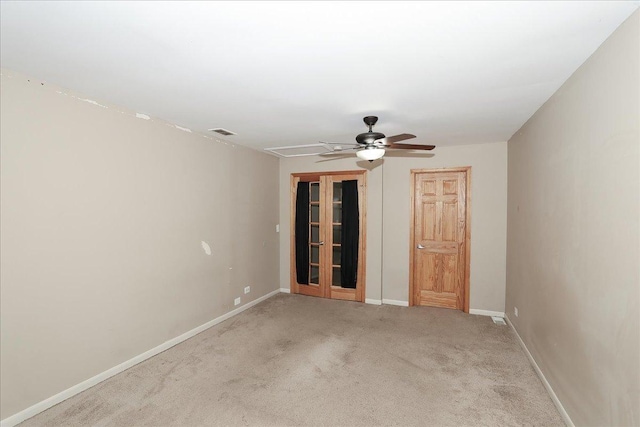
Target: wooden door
{"x":325,"y":222}
{"x":440,"y":238}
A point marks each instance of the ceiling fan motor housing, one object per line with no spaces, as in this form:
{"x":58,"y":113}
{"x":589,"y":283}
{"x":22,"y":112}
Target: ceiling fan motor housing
{"x":368,"y":137}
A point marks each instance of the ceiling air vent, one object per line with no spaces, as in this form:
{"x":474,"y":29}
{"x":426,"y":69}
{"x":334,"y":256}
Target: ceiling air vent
{"x":222,"y":131}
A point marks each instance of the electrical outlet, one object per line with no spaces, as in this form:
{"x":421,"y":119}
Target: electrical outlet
{"x":277,"y":228}
{"x":515,"y":311}
{"x":236,"y":301}
{"x":247,"y":289}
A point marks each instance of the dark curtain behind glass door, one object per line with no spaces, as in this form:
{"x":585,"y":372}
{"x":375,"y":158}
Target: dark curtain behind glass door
{"x":350,"y":234}
{"x":302,"y":233}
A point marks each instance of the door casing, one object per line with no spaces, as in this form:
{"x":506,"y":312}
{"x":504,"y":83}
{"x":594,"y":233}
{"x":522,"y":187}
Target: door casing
{"x":412,"y":243}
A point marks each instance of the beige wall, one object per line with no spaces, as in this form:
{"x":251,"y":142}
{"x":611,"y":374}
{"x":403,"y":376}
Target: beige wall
{"x":102,"y":219}
{"x":573,"y":235}
{"x":388,"y":208}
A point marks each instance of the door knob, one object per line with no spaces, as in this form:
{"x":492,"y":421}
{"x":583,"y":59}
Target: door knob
{"x":420,"y":246}
{"x":321,"y":243}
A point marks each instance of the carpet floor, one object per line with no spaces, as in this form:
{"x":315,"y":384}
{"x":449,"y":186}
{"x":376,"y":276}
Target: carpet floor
{"x":294,"y":360}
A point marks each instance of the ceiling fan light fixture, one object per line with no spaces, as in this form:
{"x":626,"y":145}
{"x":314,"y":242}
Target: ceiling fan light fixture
{"x":370,"y":153}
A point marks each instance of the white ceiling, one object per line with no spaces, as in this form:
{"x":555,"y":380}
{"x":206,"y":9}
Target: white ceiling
{"x":288,"y":73}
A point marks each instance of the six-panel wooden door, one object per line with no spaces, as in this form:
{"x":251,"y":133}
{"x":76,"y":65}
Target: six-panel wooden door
{"x":440,"y":238}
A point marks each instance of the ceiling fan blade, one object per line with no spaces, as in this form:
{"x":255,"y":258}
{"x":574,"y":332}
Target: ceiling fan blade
{"x":395,"y":138}
{"x":409,"y":154}
{"x":338,"y":151}
{"x":410,"y":146}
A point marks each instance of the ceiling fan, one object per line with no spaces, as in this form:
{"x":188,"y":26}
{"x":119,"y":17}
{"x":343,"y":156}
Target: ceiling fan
{"x":372,"y":145}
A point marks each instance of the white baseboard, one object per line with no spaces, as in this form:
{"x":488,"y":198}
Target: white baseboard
{"x":552,"y":394}
{"x":72,"y":391}
{"x":373,"y":301}
{"x":285,"y":290}
{"x":395,"y":302}
{"x":486,"y":312}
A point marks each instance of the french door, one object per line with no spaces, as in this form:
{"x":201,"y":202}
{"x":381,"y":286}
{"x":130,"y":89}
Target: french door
{"x":324,"y":235}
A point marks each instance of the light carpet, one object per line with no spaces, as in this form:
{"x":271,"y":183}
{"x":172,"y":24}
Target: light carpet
{"x":294,"y":360}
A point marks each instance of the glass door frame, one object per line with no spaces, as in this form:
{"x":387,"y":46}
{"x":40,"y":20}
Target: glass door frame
{"x":325,"y":288}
